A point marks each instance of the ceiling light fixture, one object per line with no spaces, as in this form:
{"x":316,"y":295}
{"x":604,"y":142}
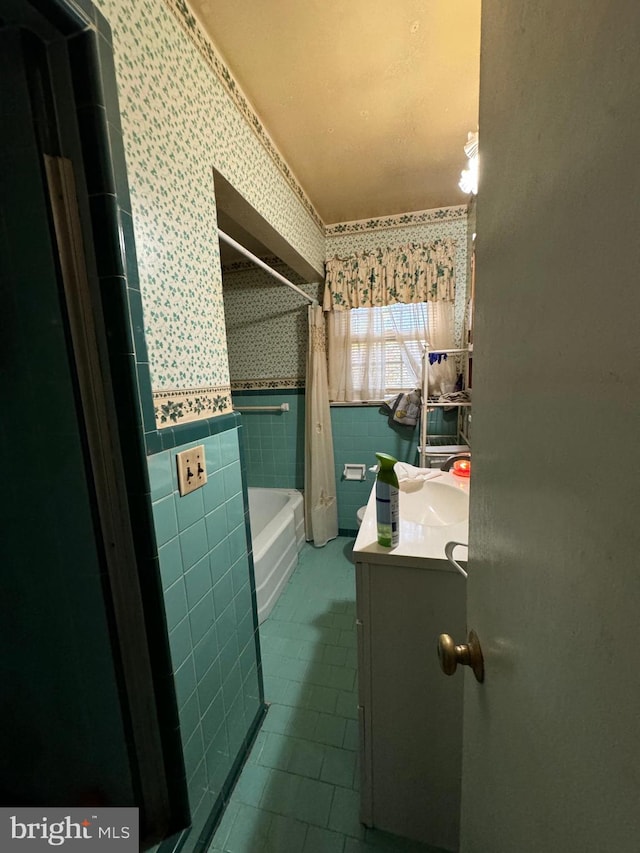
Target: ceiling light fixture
{"x":469,"y":177}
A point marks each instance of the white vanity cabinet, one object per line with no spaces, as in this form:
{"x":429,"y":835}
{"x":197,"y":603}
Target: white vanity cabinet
{"x":410,"y":712}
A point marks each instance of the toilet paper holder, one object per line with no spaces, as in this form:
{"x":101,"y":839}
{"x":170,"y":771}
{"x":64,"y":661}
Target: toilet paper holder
{"x":354,"y":471}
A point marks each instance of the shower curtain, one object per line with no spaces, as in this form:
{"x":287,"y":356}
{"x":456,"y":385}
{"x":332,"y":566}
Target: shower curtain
{"x":320,"y":505}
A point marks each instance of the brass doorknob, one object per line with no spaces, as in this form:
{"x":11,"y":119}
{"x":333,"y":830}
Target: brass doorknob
{"x":467,"y":654}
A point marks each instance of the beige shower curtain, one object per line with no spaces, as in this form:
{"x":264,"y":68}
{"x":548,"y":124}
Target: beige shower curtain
{"x":320,"y":505}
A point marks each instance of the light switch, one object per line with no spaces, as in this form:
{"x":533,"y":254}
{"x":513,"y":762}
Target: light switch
{"x":192,"y":469}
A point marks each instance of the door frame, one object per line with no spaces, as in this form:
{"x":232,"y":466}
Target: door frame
{"x":103,"y":311}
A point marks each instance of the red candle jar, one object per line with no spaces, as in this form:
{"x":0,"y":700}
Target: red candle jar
{"x":462,"y":468}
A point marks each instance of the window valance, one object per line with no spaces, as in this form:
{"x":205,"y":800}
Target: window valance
{"x":412,"y":273}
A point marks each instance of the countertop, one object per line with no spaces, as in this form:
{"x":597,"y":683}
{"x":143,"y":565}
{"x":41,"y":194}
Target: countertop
{"x":420,"y":545}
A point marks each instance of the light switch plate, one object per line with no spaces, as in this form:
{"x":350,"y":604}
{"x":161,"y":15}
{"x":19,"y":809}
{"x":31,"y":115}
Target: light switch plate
{"x":192,"y":469}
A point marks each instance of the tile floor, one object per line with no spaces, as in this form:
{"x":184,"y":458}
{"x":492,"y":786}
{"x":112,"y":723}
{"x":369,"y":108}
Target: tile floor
{"x":298,"y":792}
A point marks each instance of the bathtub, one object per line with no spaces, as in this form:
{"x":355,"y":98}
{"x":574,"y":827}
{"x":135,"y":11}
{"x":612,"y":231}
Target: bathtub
{"x":277,"y":534}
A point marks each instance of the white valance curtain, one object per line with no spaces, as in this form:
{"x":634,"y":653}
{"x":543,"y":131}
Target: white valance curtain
{"x":382,"y":306}
{"x":413,"y":273}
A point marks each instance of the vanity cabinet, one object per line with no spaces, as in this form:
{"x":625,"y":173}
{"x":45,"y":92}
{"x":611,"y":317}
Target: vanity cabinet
{"x":410,"y":713}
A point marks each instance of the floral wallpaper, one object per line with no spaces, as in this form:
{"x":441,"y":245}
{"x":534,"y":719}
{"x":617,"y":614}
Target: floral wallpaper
{"x":179,"y":119}
{"x":267,"y":324}
{"x":183,"y":113}
{"x":191,"y":26}
{"x":266,"y":327}
{"x":423,"y":226}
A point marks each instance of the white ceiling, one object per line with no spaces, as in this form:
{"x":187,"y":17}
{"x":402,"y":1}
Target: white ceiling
{"x":368,"y":101}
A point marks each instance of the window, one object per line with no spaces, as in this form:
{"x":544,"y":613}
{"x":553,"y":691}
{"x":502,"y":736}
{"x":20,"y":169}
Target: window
{"x":377,"y":352}
{"x":396,"y":333}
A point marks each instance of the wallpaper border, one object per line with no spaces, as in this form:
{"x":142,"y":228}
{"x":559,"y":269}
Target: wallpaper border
{"x":182,"y":405}
{"x":193,"y":29}
{"x":400,"y":220}
{"x":243,"y":266}
{"x":281,"y":384}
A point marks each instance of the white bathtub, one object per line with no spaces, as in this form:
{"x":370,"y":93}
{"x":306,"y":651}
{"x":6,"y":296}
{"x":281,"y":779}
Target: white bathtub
{"x":277,"y":533}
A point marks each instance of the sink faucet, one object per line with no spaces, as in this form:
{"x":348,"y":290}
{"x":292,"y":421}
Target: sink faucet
{"x":448,"y":463}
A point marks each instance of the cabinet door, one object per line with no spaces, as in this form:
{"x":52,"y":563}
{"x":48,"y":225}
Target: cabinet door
{"x":363,"y":622}
{"x":412,"y":713}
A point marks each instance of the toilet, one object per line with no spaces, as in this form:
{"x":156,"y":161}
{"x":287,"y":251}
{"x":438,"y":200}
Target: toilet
{"x":360,"y":514}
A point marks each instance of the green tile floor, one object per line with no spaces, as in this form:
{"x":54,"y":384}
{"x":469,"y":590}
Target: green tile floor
{"x":298,"y":791}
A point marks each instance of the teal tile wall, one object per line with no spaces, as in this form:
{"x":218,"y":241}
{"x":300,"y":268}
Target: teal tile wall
{"x":274,"y":445}
{"x":209,"y":596}
{"x":62,"y":732}
{"x":273,"y":441}
{"x":359,"y":432}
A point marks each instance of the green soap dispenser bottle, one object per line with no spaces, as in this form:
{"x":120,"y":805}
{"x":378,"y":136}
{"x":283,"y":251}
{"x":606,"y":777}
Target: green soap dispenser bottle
{"x":387,"y":502}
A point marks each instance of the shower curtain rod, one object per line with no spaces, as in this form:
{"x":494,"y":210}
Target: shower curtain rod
{"x":256,"y":260}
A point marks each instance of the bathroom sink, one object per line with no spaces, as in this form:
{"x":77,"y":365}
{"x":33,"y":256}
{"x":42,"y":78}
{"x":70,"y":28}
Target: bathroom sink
{"x":433,"y":512}
{"x":434,"y":504}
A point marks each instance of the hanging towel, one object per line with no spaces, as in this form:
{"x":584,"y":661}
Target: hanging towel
{"x":454,"y":397}
{"x":404,"y":472}
{"x":405,"y":408}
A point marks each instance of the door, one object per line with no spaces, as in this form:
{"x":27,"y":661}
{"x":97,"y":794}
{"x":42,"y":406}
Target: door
{"x":552,"y":737}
